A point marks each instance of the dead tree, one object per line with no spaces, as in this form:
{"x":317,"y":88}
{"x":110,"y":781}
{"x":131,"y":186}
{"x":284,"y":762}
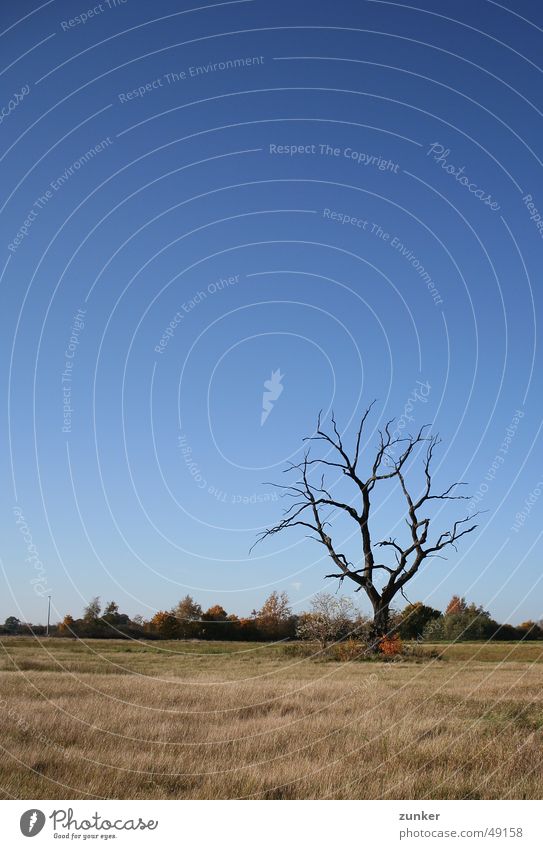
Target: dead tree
{"x":314,"y":505}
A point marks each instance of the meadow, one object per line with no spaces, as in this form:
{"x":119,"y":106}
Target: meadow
{"x":202,"y":720}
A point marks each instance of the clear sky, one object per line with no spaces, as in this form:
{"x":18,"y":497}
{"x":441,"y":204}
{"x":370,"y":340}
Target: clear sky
{"x":197,"y":197}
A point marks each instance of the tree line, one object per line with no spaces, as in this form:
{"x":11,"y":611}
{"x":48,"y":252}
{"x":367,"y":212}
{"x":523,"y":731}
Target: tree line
{"x":331,"y":618}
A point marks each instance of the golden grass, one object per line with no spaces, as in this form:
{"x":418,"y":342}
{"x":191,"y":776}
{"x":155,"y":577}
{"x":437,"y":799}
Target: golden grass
{"x":113,"y":719}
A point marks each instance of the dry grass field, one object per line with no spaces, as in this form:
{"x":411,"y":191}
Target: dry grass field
{"x":117,"y":719}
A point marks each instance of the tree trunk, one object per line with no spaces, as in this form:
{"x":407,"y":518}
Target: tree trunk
{"x":381,"y":615}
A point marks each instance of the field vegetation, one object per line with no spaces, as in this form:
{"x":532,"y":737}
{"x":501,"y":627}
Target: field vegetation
{"x":201,"y":720}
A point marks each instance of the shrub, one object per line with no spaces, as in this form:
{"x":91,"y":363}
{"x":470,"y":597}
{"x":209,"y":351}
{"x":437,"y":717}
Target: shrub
{"x":391,"y":646}
{"x":331,"y":618}
{"x":349,"y":650}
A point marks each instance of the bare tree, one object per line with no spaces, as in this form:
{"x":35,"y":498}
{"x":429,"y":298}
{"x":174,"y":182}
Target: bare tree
{"x":313,"y":506}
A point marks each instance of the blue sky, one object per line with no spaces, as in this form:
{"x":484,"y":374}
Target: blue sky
{"x":196,"y":198}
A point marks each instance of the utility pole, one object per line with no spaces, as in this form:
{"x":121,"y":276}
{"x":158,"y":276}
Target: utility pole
{"x":48,"y":615}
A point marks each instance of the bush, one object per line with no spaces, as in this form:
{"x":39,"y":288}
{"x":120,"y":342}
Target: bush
{"x":349,"y":650}
{"x":332,"y":618}
{"x":391,"y":646}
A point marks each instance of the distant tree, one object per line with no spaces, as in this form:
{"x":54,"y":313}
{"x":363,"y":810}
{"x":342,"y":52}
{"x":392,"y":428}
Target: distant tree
{"x":218,"y":625}
{"x":215,"y":614}
{"x":112,"y":617}
{"x":414,"y":618}
{"x":505,"y":632}
{"x":12,"y":625}
{"x":275,"y":620}
{"x":188,"y":614}
{"x":92,"y":611}
{"x":330,"y":619}
{"x":230,"y":628}
{"x":116,"y":624}
{"x":472,"y":623}
{"x":165,"y":625}
{"x":530,"y":630}
{"x":247,"y":629}
{"x":67,"y":626}
{"x":91,"y":624}
{"x":456,"y":605}
{"x":276,"y":607}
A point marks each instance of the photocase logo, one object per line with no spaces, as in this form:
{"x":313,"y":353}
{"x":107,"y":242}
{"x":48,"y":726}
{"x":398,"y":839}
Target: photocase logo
{"x":32,"y":822}
{"x":272,"y":390}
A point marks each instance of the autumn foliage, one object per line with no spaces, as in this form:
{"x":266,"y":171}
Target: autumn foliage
{"x":455,"y":606}
{"x":391,"y":645}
